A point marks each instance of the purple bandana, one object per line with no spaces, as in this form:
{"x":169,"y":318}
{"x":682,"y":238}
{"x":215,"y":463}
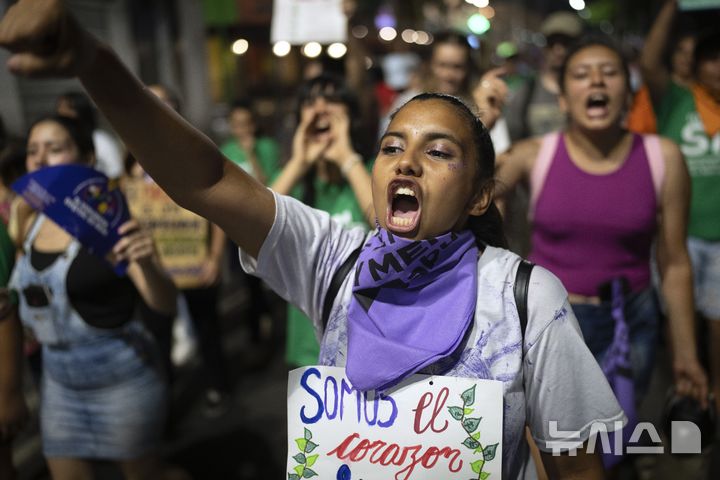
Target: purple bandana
{"x":617,"y":368}
{"x":411,"y":306}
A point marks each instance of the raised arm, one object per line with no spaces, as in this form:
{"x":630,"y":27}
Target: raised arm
{"x":47,"y":41}
{"x":514,"y":166}
{"x":676,"y":274}
{"x":655,"y":74}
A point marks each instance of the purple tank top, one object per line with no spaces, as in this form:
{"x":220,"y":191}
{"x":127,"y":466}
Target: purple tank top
{"x":589,"y":229}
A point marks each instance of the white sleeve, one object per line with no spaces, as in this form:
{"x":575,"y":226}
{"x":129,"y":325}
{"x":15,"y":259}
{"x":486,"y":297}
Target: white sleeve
{"x":566,"y":392}
{"x":301,"y":253}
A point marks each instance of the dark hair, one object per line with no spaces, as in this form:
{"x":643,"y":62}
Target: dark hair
{"x":487,"y":228}
{"x":78,"y":131}
{"x":452,"y":37}
{"x":592,"y":40}
{"x":84,"y":109}
{"x":242,"y":104}
{"x":12,"y":163}
{"x":707,"y":47}
{"x":320,"y":86}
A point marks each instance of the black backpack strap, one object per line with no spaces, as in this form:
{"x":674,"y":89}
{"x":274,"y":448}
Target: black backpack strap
{"x":522,"y":285}
{"x":336,"y":282}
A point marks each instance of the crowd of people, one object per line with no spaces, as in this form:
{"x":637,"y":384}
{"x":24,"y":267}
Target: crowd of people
{"x":611,"y":189}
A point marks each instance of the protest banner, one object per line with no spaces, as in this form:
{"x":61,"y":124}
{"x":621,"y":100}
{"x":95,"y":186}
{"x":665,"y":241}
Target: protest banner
{"x":302,"y":21}
{"x":81,"y":200}
{"x":181,"y":237}
{"x":427,"y":427}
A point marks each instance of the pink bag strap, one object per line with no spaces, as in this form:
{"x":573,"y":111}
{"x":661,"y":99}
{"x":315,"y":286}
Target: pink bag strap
{"x":541,"y":167}
{"x":656,"y":161}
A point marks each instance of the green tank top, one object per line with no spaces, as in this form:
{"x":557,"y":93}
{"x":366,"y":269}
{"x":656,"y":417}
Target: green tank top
{"x":678,"y":120}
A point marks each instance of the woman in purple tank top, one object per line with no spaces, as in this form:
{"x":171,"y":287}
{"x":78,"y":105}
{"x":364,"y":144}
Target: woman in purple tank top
{"x":600,"y":196}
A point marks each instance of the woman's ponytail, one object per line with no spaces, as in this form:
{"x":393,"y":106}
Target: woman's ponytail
{"x":488,"y":228}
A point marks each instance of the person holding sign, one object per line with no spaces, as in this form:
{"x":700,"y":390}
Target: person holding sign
{"x":432,"y":291}
{"x":103,"y":392}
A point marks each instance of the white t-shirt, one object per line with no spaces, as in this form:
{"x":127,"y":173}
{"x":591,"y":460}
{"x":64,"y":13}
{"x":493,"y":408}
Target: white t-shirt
{"x":553,"y":377}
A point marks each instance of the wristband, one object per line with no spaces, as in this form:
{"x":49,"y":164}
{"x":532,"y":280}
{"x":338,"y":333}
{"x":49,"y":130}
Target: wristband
{"x":349,"y":164}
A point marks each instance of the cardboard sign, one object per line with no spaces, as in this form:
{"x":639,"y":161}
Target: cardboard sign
{"x":302,"y":21}
{"x":181,"y":237}
{"x":428,"y":427}
{"x":698,"y":4}
{"x":81,"y":200}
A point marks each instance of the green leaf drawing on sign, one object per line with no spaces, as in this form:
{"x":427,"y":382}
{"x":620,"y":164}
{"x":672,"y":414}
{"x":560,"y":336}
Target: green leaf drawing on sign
{"x":484,"y":475}
{"x":310,"y":446}
{"x":468,"y":396}
{"x":489,"y":452}
{"x":308,"y":434}
{"x":476,"y":436}
{"x":311,"y":460}
{"x":468,"y":411}
{"x":299,"y":469}
{"x":299,"y":458}
{"x":471,"y":442}
{"x":301,"y":443}
{"x":477,"y":465}
{"x":292,"y":476}
{"x":471,"y":424}
{"x":456,"y":412}
{"x":309,"y":473}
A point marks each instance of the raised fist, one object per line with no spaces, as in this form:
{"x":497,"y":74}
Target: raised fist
{"x":45,"y":40}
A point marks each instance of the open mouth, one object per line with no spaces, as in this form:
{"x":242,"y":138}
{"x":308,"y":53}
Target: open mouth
{"x":320,"y":128}
{"x":597,"y":105}
{"x":403,"y":206}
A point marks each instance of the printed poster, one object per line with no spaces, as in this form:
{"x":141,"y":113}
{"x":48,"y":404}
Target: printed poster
{"x":426,"y":428}
{"x":82,"y":201}
{"x":302,"y":21}
{"x":181,"y":237}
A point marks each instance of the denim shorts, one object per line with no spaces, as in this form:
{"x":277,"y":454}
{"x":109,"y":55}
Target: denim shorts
{"x":642,"y":317}
{"x":101,"y":400}
{"x":705,"y":258}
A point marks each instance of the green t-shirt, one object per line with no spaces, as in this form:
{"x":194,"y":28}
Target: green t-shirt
{"x":266,"y":151}
{"x":339,"y":201}
{"x":678,"y":120}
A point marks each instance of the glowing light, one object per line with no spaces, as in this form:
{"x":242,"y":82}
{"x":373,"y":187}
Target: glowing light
{"x":312,"y":49}
{"x":385,"y":18}
{"x":473,"y":41}
{"x":409,"y":35}
{"x":387,"y":33}
{"x":423,"y":38}
{"x":281,"y":48}
{"x":240,"y":46}
{"x":359,"y":31}
{"x":577,"y":4}
{"x":478,"y":23}
{"x":488,"y":12}
{"x":479,"y":3}
{"x":337,"y":50}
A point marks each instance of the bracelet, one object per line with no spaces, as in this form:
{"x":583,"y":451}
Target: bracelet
{"x":349,"y":164}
